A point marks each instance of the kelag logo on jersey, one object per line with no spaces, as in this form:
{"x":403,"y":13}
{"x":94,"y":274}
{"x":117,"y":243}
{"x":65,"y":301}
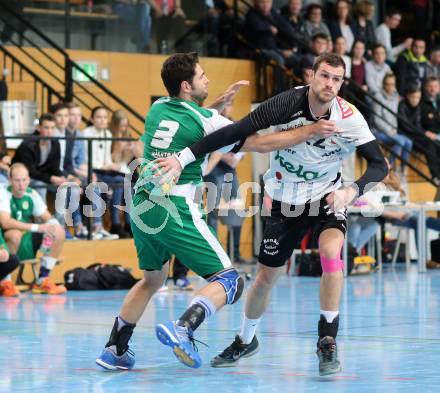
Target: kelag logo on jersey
{"x":299,"y":170}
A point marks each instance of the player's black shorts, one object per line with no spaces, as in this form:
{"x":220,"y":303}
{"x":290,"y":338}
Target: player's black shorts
{"x":284,"y":232}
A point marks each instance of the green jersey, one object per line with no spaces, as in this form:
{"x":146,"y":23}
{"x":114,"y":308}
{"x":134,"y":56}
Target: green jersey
{"x":22,"y":209}
{"x":173,"y":124}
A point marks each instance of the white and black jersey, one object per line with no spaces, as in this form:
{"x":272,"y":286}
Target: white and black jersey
{"x":307,"y":171}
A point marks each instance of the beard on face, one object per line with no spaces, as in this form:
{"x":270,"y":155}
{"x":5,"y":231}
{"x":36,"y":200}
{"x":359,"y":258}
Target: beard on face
{"x":199,"y":96}
{"x":324,"y":99}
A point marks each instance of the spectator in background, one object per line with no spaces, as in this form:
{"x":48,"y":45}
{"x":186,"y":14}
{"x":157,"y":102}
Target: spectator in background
{"x":123,"y":154}
{"x":264,"y":35}
{"x":401,"y":218}
{"x":340,"y":24}
{"x":318,"y":47}
{"x":67,"y":194}
{"x":360,"y":230}
{"x":362,"y":25}
{"x":261,"y":30}
{"x":411,"y":65}
{"x":292,"y":13}
{"x":358,"y":62}
{"x":42,"y":157}
{"x":79,"y":164}
{"x":169,"y":21}
{"x":431,"y":108}
{"x":386,"y":126}
{"x":138,"y":13}
{"x":383,"y":35}
{"x":376,"y":69}
{"x":411,"y":125}
{"x":80,"y":168}
{"x":358,"y":74}
{"x":340,"y":48}
{"x":106,"y":170}
{"x":433,"y":68}
{"x":221,"y":23}
{"x":314,"y":24}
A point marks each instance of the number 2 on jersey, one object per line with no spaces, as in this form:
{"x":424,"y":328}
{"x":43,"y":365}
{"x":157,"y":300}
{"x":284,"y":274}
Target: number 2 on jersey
{"x":163,"y":136}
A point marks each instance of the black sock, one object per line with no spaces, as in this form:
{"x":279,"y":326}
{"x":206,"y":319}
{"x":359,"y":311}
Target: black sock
{"x":120,"y":338}
{"x":328,"y":329}
{"x":192,"y":317}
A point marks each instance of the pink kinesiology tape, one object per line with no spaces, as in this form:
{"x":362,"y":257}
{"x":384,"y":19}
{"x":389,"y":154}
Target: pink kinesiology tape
{"x":331,"y":265}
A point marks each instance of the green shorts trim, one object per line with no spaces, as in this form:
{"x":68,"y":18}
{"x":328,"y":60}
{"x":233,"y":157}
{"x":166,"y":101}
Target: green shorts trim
{"x":165,"y":226}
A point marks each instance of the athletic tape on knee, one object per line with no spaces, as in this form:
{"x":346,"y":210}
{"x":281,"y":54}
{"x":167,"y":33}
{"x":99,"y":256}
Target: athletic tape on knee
{"x":206,"y":303}
{"x":231,"y":282}
{"x":331,"y":265}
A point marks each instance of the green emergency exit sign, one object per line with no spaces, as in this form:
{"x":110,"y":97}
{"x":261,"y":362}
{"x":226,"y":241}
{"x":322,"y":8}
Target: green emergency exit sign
{"x":91,"y":68}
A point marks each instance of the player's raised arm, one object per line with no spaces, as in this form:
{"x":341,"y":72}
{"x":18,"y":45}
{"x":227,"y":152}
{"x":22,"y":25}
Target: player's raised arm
{"x":288,"y":138}
{"x":276,"y":110}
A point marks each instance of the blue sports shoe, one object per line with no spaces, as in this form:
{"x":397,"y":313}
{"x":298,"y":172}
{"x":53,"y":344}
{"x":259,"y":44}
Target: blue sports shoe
{"x":111,"y":361}
{"x":181,"y":341}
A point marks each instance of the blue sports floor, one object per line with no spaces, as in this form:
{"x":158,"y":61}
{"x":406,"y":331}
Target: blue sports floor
{"x":389,"y":341}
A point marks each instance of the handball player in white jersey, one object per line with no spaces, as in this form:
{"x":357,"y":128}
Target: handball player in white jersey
{"x":304,"y":182}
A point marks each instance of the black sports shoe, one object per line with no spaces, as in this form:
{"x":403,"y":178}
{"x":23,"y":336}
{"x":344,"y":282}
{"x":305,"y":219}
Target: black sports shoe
{"x":328,"y":356}
{"x":229,"y":357}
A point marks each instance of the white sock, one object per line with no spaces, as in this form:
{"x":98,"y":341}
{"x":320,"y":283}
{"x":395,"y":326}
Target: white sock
{"x":329,"y":315}
{"x":121,"y":323}
{"x":7,"y":278}
{"x":248,"y":329}
{"x":206,"y":303}
{"x":48,"y":262}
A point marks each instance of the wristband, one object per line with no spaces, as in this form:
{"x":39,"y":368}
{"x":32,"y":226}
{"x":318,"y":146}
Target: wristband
{"x":185,"y":157}
{"x":34,"y":227}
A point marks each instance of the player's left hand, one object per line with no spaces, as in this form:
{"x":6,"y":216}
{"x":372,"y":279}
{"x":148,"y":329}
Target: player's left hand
{"x":340,"y":199}
{"x":232,"y":90}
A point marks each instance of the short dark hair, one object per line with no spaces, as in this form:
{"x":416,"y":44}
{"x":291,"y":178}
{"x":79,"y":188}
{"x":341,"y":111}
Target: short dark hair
{"x":418,"y":38}
{"x":379,"y":46}
{"x":57,"y":107}
{"x":412,"y":89}
{"x":178,"y":68}
{"x":389,"y":75}
{"x":46,"y":117}
{"x":332,"y":59}
{"x":312,"y":7}
{"x":430,"y":79}
{"x":319,"y":36}
{"x":392,"y":11}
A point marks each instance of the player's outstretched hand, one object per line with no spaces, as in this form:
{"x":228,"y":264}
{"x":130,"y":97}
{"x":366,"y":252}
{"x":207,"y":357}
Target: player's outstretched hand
{"x":232,"y":90}
{"x":167,"y":167}
{"x":340,"y":199}
{"x":325,"y":128}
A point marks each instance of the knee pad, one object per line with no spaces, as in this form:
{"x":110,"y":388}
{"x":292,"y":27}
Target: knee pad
{"x":332,"y":265}
{"x":232,"y":283}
